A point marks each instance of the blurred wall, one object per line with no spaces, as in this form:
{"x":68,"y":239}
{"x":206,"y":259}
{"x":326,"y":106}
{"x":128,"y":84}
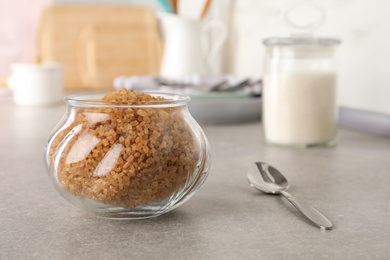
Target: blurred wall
{"x":363,"y":26}
{"x":18,"y":24}
{"x":364,"y":55}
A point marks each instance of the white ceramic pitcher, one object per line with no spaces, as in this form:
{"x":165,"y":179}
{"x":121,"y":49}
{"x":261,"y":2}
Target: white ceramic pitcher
{"x":187,"y":45}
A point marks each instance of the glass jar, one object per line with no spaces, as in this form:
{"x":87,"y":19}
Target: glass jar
{"x":127,"y":160}
{"x":299,"y":91}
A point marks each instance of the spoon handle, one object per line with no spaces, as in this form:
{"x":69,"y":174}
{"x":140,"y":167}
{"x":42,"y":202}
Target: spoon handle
{"x":313,"y":215}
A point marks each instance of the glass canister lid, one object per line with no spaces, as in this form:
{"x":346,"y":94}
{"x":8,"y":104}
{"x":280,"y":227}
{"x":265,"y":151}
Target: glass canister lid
{"x":297,"y":41}
{"x":303,"y":19}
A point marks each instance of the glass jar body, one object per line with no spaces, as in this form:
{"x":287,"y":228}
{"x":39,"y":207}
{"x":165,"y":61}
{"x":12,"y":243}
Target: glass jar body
{"x":299,"y":95}
{"x":127,"y":161}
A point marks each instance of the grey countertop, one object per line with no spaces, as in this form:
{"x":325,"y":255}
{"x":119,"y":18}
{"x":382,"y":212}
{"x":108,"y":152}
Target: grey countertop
{"x":226,"y":219}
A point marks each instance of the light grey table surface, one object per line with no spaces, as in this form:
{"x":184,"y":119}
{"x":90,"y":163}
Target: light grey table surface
{"x":226,"y":219}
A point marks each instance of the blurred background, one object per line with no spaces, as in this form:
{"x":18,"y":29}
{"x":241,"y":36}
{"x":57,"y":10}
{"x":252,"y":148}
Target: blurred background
{"x":28,"y":34}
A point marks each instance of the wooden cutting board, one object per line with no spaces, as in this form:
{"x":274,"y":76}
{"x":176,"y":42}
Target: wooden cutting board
{"x":98,"y":43}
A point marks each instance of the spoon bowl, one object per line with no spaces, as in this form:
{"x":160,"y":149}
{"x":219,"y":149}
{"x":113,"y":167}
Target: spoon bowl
{"x":268,"y":179}
{"x":271,"y":181}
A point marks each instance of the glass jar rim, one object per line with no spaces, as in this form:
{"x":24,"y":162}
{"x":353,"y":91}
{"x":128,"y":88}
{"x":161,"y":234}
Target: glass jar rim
{"x":94,"y":100}
{"x":301,"y":41}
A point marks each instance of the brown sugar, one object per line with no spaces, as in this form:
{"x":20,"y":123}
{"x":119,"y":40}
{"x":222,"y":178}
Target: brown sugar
{"x":125,"y":156}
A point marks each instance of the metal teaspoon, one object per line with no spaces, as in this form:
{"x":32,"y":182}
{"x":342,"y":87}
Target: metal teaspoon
{"x":266,"y":178}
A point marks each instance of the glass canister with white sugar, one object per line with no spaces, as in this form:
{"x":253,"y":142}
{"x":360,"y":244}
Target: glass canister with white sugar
{"x":299,"y":91}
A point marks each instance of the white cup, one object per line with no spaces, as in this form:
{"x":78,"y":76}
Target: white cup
{"x":36,"y":84}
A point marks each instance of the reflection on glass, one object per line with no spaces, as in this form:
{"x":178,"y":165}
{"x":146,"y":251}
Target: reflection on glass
{"x":81,"y":148}
{"x":109,"y":161}
{"x":94,"y":118}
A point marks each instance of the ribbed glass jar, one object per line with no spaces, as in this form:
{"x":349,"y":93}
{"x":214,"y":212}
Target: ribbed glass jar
{"x":127,"y":160}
